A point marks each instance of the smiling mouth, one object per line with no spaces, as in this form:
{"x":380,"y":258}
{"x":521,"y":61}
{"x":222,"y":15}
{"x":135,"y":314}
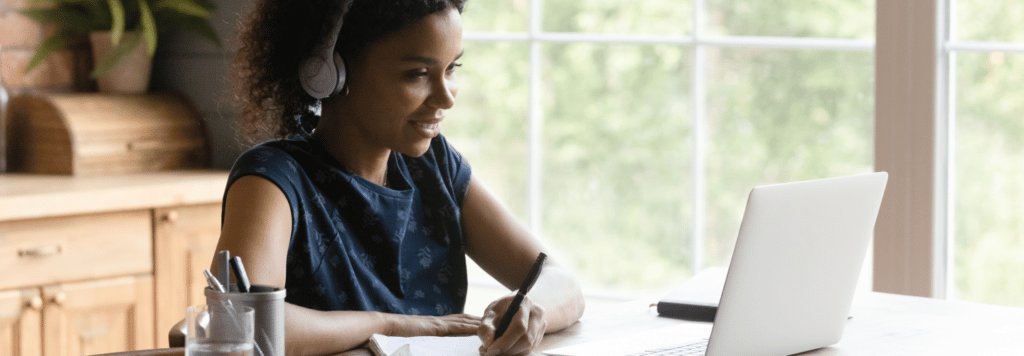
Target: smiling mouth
{"x":428,"y":126}
{"x":428,"y":129}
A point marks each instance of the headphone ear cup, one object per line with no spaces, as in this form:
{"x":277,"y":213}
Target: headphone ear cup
{"x":318,"y":77}
{"x":339,"y":65}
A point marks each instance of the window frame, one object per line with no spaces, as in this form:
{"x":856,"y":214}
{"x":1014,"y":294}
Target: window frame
{"x":909,"y":250}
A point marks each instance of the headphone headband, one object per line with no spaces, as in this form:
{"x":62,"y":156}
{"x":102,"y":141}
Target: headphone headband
{"x":322,"y":74}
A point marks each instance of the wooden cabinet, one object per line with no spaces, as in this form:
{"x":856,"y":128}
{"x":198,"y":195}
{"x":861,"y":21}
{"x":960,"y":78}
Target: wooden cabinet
{"x":99,"y":265}
{"x":83,"y":318}
{"x":98,"y":317}
{"x":111,"y":312}
{"x":69,"y":248}
{"x":185,"y":241}
{"x":21,"y":322}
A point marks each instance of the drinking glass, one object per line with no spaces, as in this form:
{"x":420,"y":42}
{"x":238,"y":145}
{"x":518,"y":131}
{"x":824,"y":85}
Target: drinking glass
{"x":219,"y":330}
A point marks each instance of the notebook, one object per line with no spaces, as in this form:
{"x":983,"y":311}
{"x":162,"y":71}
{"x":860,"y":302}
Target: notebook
{"x":382,"y":345}
{"x":425,"y":345}
{"x":696,"y":299}
{"x":794,"y":270}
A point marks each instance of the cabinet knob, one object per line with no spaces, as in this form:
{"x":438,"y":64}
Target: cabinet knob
{"x":59,"y":298}
{"x":170,"y":216}
{"x":35,"y":303}
{"x":41,"y":252}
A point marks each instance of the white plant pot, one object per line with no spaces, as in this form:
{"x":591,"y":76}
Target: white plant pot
{"x":131,"y":75}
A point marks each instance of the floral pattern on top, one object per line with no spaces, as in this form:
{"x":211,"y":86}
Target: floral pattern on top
{"x":358,"y":246}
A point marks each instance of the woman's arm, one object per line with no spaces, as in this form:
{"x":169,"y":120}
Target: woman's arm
{"x":313,"y":332}
{"x":503,"y":248}
{"x":258,"y":226}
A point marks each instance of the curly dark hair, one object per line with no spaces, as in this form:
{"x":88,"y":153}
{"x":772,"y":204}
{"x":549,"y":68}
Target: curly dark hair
{"x":278,"y":34}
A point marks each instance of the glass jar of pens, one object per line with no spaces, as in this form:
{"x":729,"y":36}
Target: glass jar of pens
{"x":266,"y":304}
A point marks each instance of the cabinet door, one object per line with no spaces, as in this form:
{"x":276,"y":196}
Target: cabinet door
{"x":52,"y":250}
{"x":185,"y":241}
{"x":104,"y":316}
{"x":20,"y":323}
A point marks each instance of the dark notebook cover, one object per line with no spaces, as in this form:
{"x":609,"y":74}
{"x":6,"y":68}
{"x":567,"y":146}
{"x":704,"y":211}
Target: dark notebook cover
{"x":697,"y":298}
{"x":681,"y":309}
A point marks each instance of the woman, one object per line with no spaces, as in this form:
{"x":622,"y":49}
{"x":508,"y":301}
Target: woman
{"x":365,"y":213}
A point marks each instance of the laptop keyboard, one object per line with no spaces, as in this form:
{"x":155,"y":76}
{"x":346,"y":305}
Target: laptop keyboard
{"x":696,"y":348}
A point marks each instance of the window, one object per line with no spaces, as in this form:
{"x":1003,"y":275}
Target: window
{"x":985,"y":52}
{"x":950,"y":136}
{"x":628,"y":134}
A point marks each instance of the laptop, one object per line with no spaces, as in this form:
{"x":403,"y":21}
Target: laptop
{"x":793,"y":273}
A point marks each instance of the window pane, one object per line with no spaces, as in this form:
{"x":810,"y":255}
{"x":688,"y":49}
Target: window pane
{"x":488,"y":124}
{"x":780,"y":116}
{"x":662,"y":17}
{"x":792,"y":18}
{"x":990,"y":20}
{"x":496,"y":16}
{"x":989,"y":242}
{"x":616,"y":162}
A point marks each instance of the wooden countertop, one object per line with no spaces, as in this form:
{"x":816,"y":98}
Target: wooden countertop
{"x":28,"y":196}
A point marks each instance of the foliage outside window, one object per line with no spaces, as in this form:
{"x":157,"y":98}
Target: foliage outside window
{"x":617,"y":136}
{"x":988,"y":154}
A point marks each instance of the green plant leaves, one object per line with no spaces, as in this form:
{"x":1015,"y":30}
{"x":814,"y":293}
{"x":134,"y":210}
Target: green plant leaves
{"x":206,"y":4}
{"x":75,"y":21}
{"x":184,"y":7}
{"x":190,"y":23}
{"x":52,"y":44}
{"x":41,"y":15}
{"x":97,"y":13}
{"x":148,"y":26}
{"x":76,"y":18}
{"x":117,"y":19}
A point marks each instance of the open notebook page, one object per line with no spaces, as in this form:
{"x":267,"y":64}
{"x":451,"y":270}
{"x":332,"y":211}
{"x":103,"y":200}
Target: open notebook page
{"x":425,"y":345}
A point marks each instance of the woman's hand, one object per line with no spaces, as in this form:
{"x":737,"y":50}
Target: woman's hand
{"x":416,"y":325}
{"x":524,"y":333}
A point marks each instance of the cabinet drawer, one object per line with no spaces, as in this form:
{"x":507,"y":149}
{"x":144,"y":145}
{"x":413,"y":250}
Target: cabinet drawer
{"x":50,"y":250}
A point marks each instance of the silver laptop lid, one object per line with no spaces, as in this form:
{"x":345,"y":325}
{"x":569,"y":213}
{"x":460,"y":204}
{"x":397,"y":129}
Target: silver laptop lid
{"x":795,"y":265}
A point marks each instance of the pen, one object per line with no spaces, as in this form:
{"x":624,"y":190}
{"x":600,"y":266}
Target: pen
{"x":518,"y":299}
{"x":212,"y":281}
{"x":223,"y":268}
{"x":215,"y":285}
{"x":240,"y":278}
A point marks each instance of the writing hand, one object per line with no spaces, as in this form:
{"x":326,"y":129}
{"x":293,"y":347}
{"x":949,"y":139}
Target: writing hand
{"x":524,"y":333}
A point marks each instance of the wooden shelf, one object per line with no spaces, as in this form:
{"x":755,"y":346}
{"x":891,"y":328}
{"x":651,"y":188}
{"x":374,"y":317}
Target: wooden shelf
{"x":27,"y":196}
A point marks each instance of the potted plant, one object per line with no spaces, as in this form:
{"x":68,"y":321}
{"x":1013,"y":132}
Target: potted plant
{"x":123,"y":34}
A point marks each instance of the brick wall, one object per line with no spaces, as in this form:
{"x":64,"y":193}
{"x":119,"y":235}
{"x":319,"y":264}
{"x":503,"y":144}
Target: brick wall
{"x":19,"y":36}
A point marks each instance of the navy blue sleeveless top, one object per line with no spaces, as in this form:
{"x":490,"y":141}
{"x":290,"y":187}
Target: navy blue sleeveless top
{"x":356,"y":245}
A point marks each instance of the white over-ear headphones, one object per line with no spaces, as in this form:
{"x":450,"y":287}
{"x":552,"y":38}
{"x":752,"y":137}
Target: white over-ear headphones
{"x":322,"y":74}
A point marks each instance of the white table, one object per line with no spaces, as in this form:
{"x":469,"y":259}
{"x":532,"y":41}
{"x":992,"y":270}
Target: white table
{"x":882,"y":324}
